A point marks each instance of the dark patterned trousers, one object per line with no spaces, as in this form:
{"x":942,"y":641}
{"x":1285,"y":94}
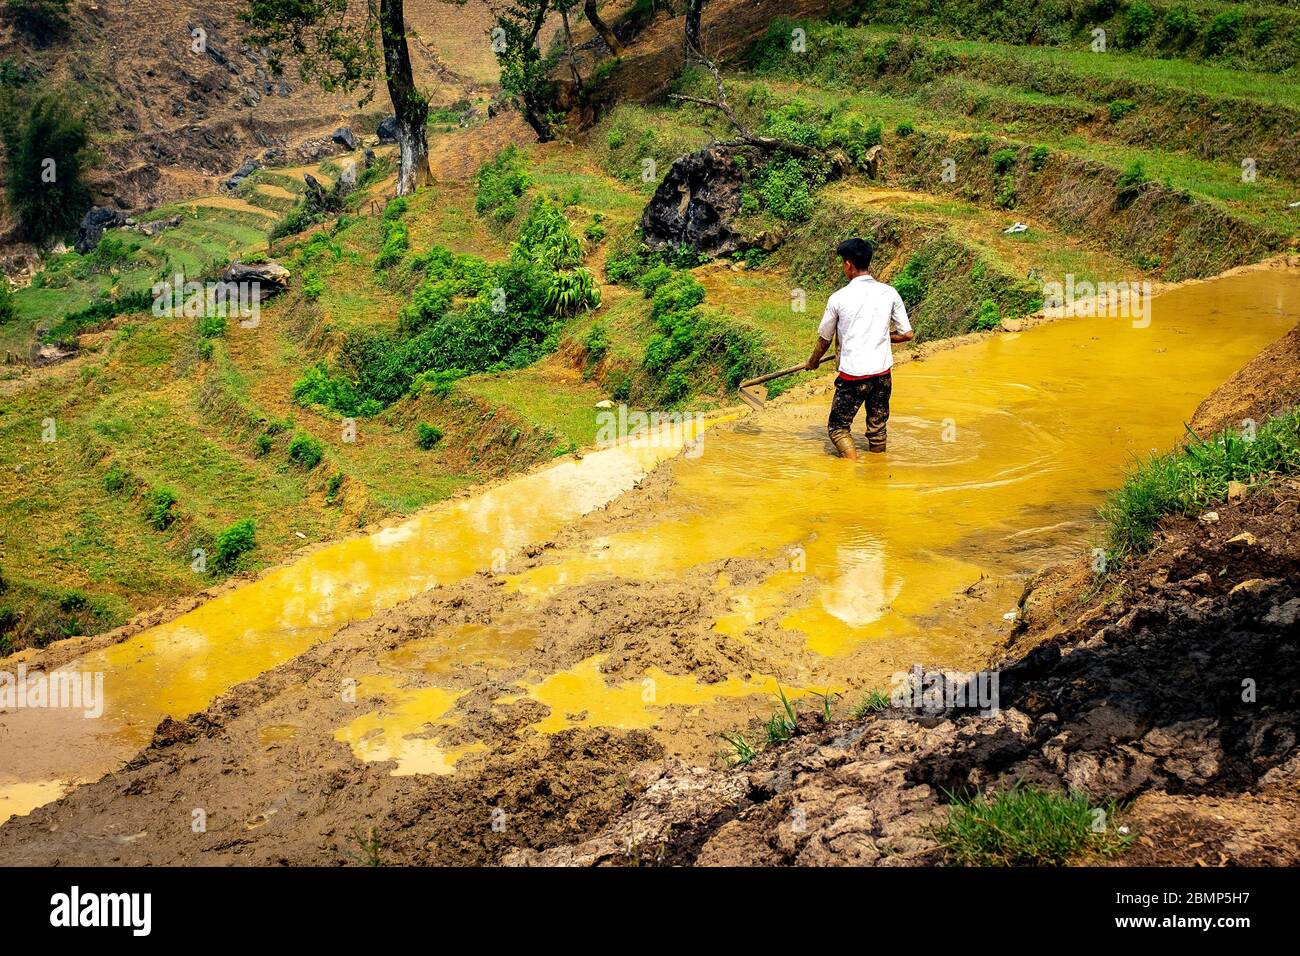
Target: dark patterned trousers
{"x":871,"y":393}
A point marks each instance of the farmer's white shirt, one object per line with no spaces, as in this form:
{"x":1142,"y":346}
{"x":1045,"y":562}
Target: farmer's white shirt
{"x":863,"y":313}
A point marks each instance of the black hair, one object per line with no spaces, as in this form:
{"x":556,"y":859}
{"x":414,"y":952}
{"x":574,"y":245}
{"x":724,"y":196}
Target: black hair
{"x":857,"y":251}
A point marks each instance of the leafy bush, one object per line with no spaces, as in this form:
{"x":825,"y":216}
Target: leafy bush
{"x":318,"y":387}
{"x":905,"y":128}
{"x":1223,"y":30}
{"x":211,"y":326}
{"x":596,"y":341}
{"x":988,"y":318}
{"x":396,"y":241}
{"x":1118,"y":109}
{"x":46,"y":148}
{"x":1004,"y":160}
{"x":427,"y":435}
{"x":785,"y":187}
{"x":114,"y":479}
{"x":500,"y":183}
{"x":112,"y":253}
{"x":910,"y":282}
{"x":159,"y":511}
{"x":1139,"y":23}
{"x":1038,"y":157}
{"x":233,"y":542}
{"x":305,"y":450}
{"x":1133,"y":176}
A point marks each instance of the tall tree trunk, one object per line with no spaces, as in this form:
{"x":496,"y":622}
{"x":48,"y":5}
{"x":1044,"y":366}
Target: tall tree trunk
{"x":535,"y":106}
{"x":601,"y":27}
{"x":411,"y":108}
{"x":693,"y":10}
{"x":568,"y":40}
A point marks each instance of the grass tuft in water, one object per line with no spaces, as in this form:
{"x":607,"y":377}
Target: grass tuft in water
{"x":874,"y":702}
{"x":1189,"y":479}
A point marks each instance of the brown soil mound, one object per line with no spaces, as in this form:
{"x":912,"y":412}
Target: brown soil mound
{"x":1266,"y":385}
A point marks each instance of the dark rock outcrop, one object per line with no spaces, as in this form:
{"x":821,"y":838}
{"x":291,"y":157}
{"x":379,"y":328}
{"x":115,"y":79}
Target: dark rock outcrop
{"x":243,"y":172}
{"x":93,"y":225}
{"x":270,"y":278}
{"x":695,"y":203}
{"x":387,"y":131}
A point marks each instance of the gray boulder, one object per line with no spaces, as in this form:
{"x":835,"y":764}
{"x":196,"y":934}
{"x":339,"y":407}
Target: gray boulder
{"x":243,"y":172}
{"x":387,"y":131}
{"x":343,"y":136}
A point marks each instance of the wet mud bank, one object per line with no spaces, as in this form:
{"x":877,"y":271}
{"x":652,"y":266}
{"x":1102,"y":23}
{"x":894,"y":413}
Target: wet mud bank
{"x":1182,"y":699}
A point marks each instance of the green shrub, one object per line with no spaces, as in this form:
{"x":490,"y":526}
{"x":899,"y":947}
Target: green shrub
{"x":1133,"y":176}
{"x":312,"y":286}
{"x":305,"y":450}
{"x":111,"y":254}
{"x":114,"y":479}
{"x":982,"y":142}
{"x":1139,"y":23}
{"x":1180,"y":21}
{"x":332,"y":488}
{"x":500,"y":183}
{"x":211,"y":326}
{"x":1223,"y":30}
{"x":905,"y":128}
{"x":1038,"y":158}
{"x":1118,"y":109}
{"x":233,"y":542}
{"x":1004,"y":160}
{"x":597,"y":341}
{"x":262,"y":445}
{"x":205,"y":349}
{"x":654,"y":277}
{"x":1027,"y":827}
{"x":47,"y":200}
{"x":615,"y":139}
{"x":159,"y":510}
{"x":910,"y":282}
{"x":988,"y":318}
{"x":426,"y":435}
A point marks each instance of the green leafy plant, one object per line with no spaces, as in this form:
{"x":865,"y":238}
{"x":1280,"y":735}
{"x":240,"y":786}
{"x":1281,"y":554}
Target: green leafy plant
{"x":426,"y":435}
{"x":874,"y":702}
{"x":159,"y":510}
{"x":233,"y":542}
{"x":305,"y":450}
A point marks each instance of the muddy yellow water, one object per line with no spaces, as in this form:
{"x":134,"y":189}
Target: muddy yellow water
{"x":999,"y":452}
{"x":179,"y":667}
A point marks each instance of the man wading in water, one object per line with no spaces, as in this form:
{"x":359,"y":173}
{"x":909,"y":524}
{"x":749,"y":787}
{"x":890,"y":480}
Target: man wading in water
{"x":867,"y":316}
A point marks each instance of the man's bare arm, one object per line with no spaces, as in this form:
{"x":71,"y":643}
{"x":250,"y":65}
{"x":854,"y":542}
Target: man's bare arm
{"x":818,"y":351}
{"x":897,"y":337}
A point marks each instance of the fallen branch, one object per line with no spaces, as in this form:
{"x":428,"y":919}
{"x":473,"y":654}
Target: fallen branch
{"x":747,"y":136}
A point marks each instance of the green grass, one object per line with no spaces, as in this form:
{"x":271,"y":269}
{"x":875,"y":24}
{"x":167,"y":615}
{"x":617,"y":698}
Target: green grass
{"x":1027,"y":827}
{"x":873,"y":702}
{"x":1191,"y":478}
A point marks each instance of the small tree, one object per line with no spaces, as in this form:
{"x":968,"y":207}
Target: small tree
{"x":525,"y":72}
{"x":46,"y":151}
{"x":338,"y":51}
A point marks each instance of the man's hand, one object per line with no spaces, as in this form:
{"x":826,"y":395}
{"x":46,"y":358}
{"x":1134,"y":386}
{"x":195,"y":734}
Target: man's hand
{"x":818,"y":351}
